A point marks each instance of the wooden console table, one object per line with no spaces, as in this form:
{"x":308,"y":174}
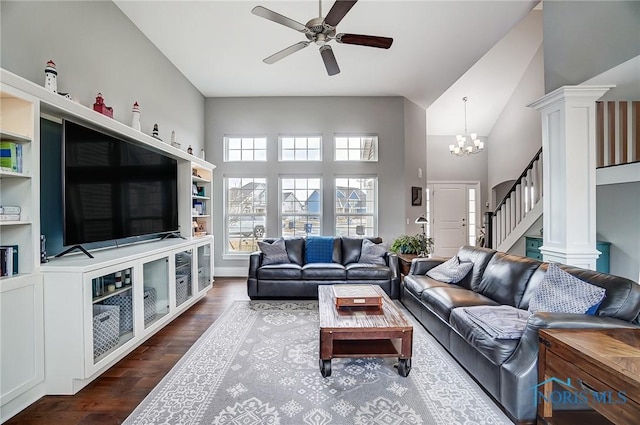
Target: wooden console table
{"x":600,"y":367}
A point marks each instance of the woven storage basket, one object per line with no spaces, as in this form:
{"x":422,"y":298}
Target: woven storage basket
{"x":106,"y":328}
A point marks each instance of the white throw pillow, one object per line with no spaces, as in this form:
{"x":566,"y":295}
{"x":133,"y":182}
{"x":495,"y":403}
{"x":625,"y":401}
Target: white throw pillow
{"x":451,"y":271}
{"x":274,"y":253}
{"x":373,"y":253}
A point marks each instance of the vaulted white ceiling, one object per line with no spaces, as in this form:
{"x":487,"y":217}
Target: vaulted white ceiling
{"x":219,"y":47}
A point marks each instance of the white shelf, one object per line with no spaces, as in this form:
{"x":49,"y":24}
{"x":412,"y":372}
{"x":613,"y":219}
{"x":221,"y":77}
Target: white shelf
{"x":204,"y":198}
{"x":15,"y":222}
{"x":201,"y":216}
{"x":200,"y":179}
{"x":111,"y":294}
{"x":10,"y":136}
{"x":13,"y":174}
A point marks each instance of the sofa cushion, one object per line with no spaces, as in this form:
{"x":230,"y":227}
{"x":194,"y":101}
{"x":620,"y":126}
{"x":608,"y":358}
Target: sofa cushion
{"x":280,"y":272}
{"x":416,"y":283}
{"x":444,"y":299}
{"x":324,"y":271}
{"x":494,"y":349}
{"x":295,"y":248}
{"x":274,"y":253}
{"x":373,"y":253}
{"x":480,"y":257}
{"x":367,"y":271}
{"x":506,"y":277}
{"x":451,"y":271}
{"x":560,"y":292}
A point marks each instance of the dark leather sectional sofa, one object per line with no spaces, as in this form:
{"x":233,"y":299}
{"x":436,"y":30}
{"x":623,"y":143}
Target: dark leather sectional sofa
{"x":506,"y":368}
{"x":300,"y":280}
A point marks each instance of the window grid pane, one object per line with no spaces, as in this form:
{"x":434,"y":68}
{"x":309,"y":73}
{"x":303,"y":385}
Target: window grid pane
{"x":355,"y":205}
{"x":472,"y":216}
{"x":356,"y":148}
{"x":246,"y":214}
{"x":301,"y":206}
{"x":300,"y":148}
{"x":247,"y":149}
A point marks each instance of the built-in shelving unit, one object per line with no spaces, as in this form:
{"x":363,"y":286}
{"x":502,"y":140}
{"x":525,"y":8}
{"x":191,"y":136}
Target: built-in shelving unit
{"x":61,"y":292}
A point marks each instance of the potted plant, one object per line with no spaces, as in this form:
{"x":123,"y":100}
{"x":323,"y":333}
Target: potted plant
{"x":418,"y":244}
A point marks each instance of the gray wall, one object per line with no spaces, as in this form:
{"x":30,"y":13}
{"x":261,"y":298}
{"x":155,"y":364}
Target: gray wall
{"x":98,"y":49}
{"x":415,"y":157}
{"x":326,"y":115}
{"x":585,"y":38}
{"x":618,"y":222}
{"x":517,"y":134}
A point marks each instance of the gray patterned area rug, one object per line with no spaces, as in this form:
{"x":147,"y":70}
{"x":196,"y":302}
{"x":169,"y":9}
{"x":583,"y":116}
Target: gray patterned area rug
{"x":258,"y":364}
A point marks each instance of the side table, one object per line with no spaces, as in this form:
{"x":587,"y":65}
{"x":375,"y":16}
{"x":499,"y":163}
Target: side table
{"x":404,"y":261}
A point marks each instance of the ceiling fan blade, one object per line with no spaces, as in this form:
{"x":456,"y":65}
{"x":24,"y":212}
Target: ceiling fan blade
{"x":286,"y":52}
{"x":329,"y":60}
{"x":280,"y":19}
{"x":338,"y":11}
{"x":365,"y":40}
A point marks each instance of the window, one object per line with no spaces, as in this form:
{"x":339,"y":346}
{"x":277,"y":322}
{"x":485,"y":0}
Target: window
{"x":246,"y":215}
{"x":472,"y":212}
{"x":356,"y":148}
{"x":300,"y":148}
{"x":427,"y":204}
{"x":245,"y":148}
{"x":300,"y":206}
{"x":356,"y":206}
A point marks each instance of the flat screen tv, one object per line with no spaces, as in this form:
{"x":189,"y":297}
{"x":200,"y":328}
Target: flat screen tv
{"x":114,"y":189}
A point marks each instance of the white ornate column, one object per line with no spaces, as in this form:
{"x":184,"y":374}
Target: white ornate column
{"x":569,"y":174}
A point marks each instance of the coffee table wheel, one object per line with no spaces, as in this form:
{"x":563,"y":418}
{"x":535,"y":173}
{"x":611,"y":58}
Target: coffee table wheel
{"x":325,"y":368}
{"x":404,"y":367}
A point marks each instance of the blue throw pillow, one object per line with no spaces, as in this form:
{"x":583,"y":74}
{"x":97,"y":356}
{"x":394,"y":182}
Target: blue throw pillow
{"x":319,"y":249}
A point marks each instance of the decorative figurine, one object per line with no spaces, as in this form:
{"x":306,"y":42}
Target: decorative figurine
{"x":155,"y":132}
{"x":51,"y":77}
{"x":190,"y":150}
{"x":173,"y":140}
{"x":99,"y":106}
{"x":135,"y":117}
{"x":202,"y":153}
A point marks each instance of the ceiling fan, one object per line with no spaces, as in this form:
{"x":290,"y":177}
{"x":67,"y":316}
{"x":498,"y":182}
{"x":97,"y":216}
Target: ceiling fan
{"x":321,"y":31}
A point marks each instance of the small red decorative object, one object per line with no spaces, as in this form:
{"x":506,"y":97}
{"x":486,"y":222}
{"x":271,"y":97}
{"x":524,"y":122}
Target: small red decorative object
{"x":99,"y":106}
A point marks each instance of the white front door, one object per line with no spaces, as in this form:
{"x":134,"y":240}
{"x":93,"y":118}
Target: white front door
{"x":451,"y":216}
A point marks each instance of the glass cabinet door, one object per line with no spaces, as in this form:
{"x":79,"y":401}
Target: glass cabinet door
{"x":113,"y":323}
{"x":156,"y":290}
{"x":204,"y":266}
{"x":184,"y":289}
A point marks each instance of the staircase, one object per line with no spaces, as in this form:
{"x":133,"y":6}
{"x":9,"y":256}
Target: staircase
{"x":617,"y":143}
{"x":519,"y":209}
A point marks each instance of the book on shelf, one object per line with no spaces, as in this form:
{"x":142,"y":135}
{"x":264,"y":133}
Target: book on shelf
{"x":9,"y":217}
{"x":11,"y":156}
{"x":10,"y":209}
{"x":8,"y":260}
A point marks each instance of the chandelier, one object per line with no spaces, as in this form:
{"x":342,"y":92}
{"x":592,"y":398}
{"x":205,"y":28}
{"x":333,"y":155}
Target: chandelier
{"x":466,"y":144}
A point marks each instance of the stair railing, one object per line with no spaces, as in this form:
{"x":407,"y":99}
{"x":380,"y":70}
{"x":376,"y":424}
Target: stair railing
{"x":525,"y":192}
{"x":617,"y":132}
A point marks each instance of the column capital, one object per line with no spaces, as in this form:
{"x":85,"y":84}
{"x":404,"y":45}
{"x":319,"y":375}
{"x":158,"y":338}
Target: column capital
{"x":578,"y":93}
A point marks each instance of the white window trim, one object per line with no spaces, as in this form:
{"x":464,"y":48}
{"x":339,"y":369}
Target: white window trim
{"x":226,"y":255}
{"x":361,"y":135}
{"x":375,"y":203}
{"x":245,"y":136}
{"x":300,"y":176}
{"x":293,"y":135}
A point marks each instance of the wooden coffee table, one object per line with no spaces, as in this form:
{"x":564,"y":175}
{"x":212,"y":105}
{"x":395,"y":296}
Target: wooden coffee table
{"x":352,"y":333}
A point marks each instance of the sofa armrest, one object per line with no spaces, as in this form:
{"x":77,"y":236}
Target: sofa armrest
{"x":421,"y":265}
{"x":392,"y":262}
{"x":255,"y":261}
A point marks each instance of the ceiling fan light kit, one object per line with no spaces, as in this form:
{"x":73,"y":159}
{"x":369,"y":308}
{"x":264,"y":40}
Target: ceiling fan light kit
{"x":321,"y":31}
{"x":466,"y":144}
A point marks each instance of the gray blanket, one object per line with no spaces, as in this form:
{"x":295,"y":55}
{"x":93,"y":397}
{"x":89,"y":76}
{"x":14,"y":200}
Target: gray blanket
{"x":501,"y":322}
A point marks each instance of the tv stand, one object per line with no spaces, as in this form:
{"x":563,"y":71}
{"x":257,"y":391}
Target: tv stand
{"x":73,"y":248}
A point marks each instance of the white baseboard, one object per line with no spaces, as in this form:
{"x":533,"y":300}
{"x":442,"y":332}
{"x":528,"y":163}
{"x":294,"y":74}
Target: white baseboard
{"x":230,"y":271}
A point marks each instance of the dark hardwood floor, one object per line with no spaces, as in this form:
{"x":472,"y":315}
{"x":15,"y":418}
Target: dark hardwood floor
{"x":110,"y":398}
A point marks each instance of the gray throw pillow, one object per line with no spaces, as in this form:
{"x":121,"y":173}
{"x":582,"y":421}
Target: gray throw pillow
{"x":560,"y":292}
{"x":373,"y":253}
{"x":451,"y":271}
{"x":274,"y":253}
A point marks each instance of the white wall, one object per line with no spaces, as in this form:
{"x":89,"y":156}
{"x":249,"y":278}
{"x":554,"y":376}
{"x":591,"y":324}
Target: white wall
{"x":97,"y":49}
{"x":325,"y":115}
{"x":618,"y":222}
{"x":517,"y":134}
